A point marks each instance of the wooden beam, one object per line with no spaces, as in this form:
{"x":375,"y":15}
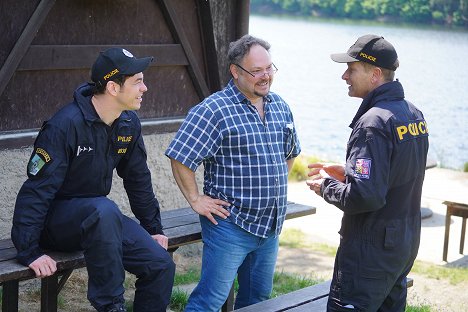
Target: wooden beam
{"x":52,"y":57}
{"x":208,"y":42}
{"x":242,"y":17}
{"x":177,"y":31}
{"x":23,"y":43}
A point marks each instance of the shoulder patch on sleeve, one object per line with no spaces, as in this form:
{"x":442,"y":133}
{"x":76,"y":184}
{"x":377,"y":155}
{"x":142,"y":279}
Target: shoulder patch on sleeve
{"x":38,"y":160}
{"x":362,"y":168}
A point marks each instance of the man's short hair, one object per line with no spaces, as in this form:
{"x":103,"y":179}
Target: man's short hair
{"x":101,"y":89}
{"x":240,"y":48}
{"x":387,"y":74}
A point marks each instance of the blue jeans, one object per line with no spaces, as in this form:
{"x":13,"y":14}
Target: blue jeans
{"x":227,"y":250}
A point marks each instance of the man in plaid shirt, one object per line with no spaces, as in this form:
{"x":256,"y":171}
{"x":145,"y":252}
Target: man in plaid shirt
{"x":245,"y":137}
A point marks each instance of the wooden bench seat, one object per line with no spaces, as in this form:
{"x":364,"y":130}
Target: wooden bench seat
{"x":182,"y":227}
{"x":309,"y":299}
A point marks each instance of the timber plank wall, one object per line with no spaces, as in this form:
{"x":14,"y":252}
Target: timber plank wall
{"x":47,"y":48}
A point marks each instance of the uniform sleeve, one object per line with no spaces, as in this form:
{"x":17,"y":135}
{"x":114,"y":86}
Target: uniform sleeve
{"x":197,"y":139}
{"x":46,"y":170}
{"x":367,"y":174}
{"x":136,"y":176}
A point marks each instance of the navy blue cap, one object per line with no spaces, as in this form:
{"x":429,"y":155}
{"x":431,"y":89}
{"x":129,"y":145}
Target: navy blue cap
{"x":116,"y":62}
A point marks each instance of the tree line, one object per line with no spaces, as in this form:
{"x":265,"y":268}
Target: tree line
{"x":443,"y":12}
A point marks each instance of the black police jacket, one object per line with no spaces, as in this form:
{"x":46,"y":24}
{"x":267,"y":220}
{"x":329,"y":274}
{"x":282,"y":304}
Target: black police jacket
{"x":75,"y":155}
{"x":385,"y":166}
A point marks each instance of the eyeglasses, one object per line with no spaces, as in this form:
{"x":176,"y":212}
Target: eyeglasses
{"x":270,"y":70}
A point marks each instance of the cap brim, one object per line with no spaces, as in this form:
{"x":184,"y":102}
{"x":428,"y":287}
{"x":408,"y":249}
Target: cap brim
{"x":343,"y":58}
{"x":139,"y":65}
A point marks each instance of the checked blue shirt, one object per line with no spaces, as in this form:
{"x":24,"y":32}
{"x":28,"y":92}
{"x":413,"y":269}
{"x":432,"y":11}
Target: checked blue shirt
{"x":244,"y":157}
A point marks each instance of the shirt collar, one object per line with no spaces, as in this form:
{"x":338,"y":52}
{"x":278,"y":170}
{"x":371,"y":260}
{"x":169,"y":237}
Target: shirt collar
{"x":83,"y":95}
{"x":239,"y":97}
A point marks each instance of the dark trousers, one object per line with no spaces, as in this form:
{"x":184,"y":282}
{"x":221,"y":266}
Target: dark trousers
{"x":112,"y":243}
{"x":369,"y":278}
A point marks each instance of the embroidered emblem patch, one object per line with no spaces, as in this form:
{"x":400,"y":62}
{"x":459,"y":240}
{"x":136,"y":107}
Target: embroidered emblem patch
{"x":38,"y":161}
{"x":362,"y":168}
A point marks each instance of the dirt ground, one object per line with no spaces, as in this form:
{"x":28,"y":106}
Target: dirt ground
{"x":439,"y":294}
{"x":439,"y":185}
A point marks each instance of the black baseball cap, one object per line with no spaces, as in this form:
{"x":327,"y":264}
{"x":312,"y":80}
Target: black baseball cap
{"x":371,"y":49}
{"x":115,"y":62}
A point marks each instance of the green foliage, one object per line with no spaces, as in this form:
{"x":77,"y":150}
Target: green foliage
{"x":416,"y":11}
{"x":299,"y":170}
{"x":450,"y":12}
{"x":465,"y":167}
{"x":438,"y":17}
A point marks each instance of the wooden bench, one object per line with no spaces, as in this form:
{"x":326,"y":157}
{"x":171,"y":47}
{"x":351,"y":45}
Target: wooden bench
{"x":456,"y":210}
{"x":182,"y":227}
{"x":313,"y":298}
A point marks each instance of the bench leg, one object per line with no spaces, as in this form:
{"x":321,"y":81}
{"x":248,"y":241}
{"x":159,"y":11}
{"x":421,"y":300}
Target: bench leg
{"x":49,"y":293}
{"x":462,"y":239}
{"x":171,"y":252}
{"x":447,"y":233}
{"x":10,"y":296}
{"x":229,"y":304}
{"x":65,"y":276}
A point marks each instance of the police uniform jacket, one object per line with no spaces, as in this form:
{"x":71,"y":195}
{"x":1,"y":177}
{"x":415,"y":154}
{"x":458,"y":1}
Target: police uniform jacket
{"x":385,"y":165}
{"x":75,"y":155}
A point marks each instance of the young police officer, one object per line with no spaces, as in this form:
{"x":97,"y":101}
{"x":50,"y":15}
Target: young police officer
{"x":379,"y":188}
{"x":63,"y":204}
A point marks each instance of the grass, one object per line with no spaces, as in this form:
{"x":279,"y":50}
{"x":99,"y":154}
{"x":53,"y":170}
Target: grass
{"x":284,"y":282}
{"x":294,"y":238}
{"x":455,"y":275}
{"x":422,"y":308}
{"x":191,"y":276}
{"x":179,"y":299}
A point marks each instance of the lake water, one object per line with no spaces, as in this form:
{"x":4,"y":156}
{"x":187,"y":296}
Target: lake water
{"x":433,"y":71}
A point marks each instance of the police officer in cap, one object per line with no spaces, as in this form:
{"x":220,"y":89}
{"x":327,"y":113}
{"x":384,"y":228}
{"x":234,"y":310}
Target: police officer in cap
{"x":379,"y":187}
{"x":63,"y":204}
